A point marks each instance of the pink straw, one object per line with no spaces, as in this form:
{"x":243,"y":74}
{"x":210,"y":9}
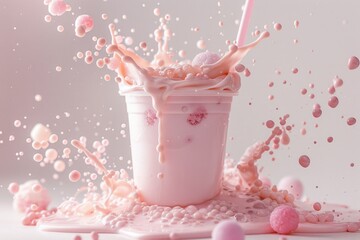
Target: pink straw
{"x":245,"y":19}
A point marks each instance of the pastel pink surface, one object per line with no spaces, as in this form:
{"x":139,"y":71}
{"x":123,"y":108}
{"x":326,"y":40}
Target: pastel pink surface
{"x":228,"y":230}
{"x":284,"y":219}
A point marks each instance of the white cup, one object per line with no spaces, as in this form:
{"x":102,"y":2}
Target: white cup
{"x":195,"y":131}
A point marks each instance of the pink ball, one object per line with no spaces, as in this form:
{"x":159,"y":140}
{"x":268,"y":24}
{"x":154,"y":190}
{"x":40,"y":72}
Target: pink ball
{"x":284,"y":219}
{"x":57,"y":7}
{"x":292,"y":185}
{"x":205,"y":58}
{"x":85,"y":21}
{"x":228,"y":230}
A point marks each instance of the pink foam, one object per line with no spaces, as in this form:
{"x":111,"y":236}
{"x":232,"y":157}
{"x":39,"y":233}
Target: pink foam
{"x":205,"y":58}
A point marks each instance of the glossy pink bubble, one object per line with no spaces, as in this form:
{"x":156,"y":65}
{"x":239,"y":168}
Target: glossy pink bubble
{"x":304,"y":161}
{"x":36,"y":188}
{"x":74,"y":176}
{"x":331,"y":90}
{"x":337,"y":82}
{"x":333,"y":102}
{"x":247,"y":72}
{"x":303,"y":91}
{"x":228,"y":230}
{"x":37,"y":157}
{"x":284,"y":219}
{"x":270,"y":124}
{"x":53,"y":138}
{"x":77,"y":237}
{"x":59,"y":166}
{"x":353,"y":63}
{"x":13,"y":187}
{"x":239,"y":68}
{"x":94,"y":235}
{"x":317,"y":206}
{"x":277,"y":26}
{"x":351,"y":121}
{"x":86,"y":21}
{"x":57,"y":7}
{"x":83,"y":24}
{"x":316,"y":110}
{"x":201,"y":44}
{"x":51,"y":154}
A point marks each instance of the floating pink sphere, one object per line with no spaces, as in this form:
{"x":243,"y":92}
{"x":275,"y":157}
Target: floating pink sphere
{"x":228,"y":230}
{"x":74,"y":176}
{"x":353,"y":63}
{"x":304,"y":161}
{"x":292,"y":185}
{"x":284,"y":219}
{"x":57,"y":7}
{"x":351,"y":121}
{"x":13,"y":188}
{"x":83,"y":24}
{"x":333,"y":102}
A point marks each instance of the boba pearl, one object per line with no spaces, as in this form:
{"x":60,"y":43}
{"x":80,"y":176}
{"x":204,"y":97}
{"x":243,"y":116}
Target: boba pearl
{"x":284,"y":219}
{"x":74,"y":176}
{"x":228,"y":230}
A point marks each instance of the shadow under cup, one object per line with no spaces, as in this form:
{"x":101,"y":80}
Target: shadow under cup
{"x":194,"y":127}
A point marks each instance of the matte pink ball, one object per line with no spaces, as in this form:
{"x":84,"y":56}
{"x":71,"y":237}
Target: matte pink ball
{"x":228,"y":230}
{"x":284,"y":219}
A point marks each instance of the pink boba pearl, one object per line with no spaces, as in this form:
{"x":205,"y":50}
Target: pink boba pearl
{"x":86,"y":21}
{"x":228,"y":230}
{"x":74,"y":176}
{"x":284,"y":219}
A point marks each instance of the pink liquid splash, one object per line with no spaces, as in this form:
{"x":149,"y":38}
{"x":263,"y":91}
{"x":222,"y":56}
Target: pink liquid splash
{"x":117,"y":206}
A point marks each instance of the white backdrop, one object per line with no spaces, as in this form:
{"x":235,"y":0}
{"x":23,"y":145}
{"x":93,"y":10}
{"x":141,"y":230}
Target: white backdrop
{"x":327,"y":36}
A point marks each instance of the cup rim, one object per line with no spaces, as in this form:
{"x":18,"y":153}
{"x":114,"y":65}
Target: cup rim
{"x":209,"y":93}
